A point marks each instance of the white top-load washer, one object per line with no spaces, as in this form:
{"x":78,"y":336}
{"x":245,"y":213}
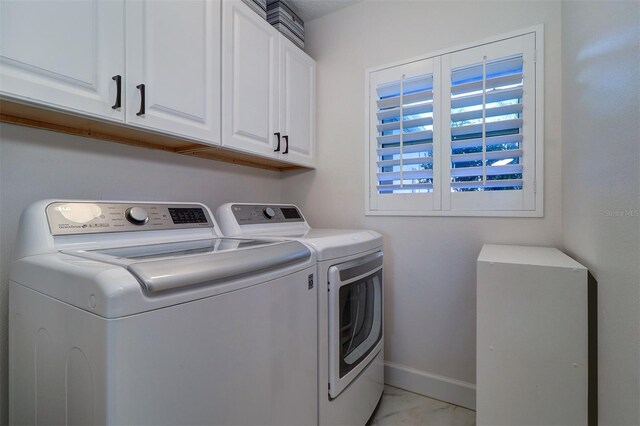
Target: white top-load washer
{"x":140,"y":313}
{"x":350,"y":316}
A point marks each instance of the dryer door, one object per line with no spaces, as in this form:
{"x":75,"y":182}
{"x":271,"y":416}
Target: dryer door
{"x":355,"y":319}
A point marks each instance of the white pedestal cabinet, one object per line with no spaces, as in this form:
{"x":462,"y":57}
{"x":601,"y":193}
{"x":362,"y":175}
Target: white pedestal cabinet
{"x":268,"y":95}
{"x":64,"y":54}
{"x":532,"y":337}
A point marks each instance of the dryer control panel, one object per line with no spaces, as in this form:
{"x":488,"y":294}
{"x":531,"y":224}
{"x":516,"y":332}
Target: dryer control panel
{"x":66,"y":218}
{"x":250,"y":214}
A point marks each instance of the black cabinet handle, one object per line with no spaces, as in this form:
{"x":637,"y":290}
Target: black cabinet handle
{"x":118,"y":80}
{"x":286,"y":140}
{"x":141,"y":88}
{"x":277,"y":134}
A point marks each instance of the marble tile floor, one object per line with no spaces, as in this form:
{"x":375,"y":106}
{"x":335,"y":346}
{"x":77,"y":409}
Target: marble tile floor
{"x":400,"y":407}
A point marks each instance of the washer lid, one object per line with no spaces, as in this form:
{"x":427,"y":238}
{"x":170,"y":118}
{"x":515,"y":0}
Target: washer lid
{"x":166,"y":266}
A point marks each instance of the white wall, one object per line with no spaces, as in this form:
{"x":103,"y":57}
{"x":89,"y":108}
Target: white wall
{"x":36,"y":164}
{"x":601,"y":180}
{"x":429,"y":261}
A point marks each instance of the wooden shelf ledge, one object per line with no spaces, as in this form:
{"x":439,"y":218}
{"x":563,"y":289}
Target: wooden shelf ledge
{"x":43,"y":118}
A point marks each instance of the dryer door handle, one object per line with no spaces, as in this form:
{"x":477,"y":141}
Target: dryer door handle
{"x":358,"y":267}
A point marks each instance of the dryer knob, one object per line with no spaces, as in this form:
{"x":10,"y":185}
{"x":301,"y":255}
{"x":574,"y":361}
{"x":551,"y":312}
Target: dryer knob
{"x":136,"y":215}
{"x":269,"y":213}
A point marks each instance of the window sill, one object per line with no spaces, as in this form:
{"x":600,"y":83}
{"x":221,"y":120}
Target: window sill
{"x":448,"y":213}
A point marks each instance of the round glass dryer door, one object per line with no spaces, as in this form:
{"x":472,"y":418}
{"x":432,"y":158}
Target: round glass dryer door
{"x":355,"y":318}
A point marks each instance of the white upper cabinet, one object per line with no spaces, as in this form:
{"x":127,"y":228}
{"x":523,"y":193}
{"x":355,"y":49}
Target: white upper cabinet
{"x":250,"y":81}
{"x":64,"y":54}
{"x":173,"y":67}
{"x":297,"y":104}
{"x":268,"y":93}
{"x":211,"y":72}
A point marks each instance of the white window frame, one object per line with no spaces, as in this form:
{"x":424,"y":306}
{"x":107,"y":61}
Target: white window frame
{"x":375,"y":208}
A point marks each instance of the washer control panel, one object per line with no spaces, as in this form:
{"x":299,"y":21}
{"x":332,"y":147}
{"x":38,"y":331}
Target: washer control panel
{"x":66,"y":218}
{"x":252,"y":214}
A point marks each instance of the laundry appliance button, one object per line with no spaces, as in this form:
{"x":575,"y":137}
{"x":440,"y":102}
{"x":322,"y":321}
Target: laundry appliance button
{"x":136,"y":215}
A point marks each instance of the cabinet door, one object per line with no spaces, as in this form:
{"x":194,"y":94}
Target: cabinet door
{"x":173,"y":56}
{"x":297,"y":103}
{"x":63,"y":54}
{"x":250,"y":88}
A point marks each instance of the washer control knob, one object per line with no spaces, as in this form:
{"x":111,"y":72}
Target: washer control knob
{"x":269,"y":213}
{"x":136,"y":215}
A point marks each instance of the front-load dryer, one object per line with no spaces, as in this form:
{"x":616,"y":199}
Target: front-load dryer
{"x":350,"y":304}
{"x":140,"y":313}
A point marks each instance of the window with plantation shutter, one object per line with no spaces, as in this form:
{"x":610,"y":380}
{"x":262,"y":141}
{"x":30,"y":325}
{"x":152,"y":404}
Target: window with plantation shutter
{"x":403,"y":125}
{"x":457,"y":133}
{"x":405,"y":135}
{"x":486,"y":128}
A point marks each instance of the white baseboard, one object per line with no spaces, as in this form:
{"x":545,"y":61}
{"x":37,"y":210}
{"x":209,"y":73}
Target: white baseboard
{"x":438,"y":387}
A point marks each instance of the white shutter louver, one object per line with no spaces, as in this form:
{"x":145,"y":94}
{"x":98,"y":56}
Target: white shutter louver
{"x":405,"y":135}
{"x":486,"y":125}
